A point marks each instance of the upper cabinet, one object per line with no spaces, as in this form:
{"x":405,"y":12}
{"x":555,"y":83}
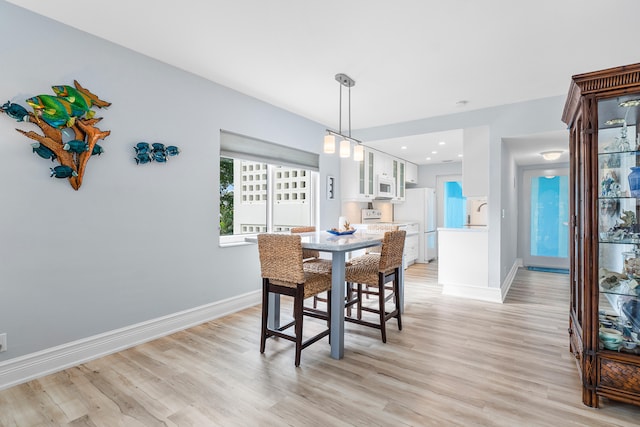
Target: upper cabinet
{"x":475,"y":164}
{"x":411,"y":173}
{"x":357,"y":178}
{"x":383,"y":164}
{"x":398,"y":170}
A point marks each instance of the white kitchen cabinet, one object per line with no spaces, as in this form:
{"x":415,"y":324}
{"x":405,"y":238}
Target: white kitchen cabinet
{"x":383,"y":164}
{"x":398,"y":168}
{"x":357,"y":178}
{"x":411,"y":249}
{"x":411,"y":173}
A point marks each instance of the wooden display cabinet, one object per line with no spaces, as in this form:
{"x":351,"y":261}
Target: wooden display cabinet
{"x":602,"y":111}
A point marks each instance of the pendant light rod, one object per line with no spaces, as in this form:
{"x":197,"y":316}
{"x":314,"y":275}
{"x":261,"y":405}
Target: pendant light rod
{"x":340,"y":110}
{"x":347,"y":82}
{"x":349,"y":111}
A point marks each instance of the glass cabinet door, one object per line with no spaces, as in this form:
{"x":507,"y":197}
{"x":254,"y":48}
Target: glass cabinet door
{"x":618,"y":196}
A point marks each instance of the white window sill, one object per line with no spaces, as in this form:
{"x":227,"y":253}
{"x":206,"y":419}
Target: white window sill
{"x":232,"y":241}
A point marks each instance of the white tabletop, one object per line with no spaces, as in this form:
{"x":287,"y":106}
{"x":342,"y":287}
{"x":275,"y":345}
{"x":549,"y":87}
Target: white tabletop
{"x":327,"y":242}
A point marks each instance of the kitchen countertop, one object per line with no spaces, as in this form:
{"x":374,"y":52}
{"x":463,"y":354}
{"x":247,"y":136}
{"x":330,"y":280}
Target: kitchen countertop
{"x":398,"y":223}
{"x":467,"y":228}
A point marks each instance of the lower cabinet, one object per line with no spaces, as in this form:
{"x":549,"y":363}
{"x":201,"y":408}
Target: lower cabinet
{"x":411,"y":249}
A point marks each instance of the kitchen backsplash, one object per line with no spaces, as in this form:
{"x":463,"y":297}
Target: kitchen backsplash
{"x":352,"y":210}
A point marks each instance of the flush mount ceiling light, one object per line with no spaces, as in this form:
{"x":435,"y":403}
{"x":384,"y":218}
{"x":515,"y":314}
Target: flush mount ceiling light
{"x":345,"y":143}
{"x":551,"y":155}
{"x":615,"y":122}
{"x":630,"y":103}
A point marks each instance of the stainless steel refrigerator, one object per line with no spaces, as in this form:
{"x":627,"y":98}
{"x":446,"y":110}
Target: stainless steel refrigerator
{"x":420,"y":206}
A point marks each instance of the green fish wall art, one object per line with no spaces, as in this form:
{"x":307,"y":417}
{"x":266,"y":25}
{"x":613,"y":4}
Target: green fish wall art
{"x":71,"y":108}
{"x":57,"y":112}
{"x":76,"y":98}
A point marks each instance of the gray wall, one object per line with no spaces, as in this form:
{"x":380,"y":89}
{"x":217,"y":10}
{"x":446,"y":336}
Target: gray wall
{"x":135,"y":242}
{"x":428,"y":174}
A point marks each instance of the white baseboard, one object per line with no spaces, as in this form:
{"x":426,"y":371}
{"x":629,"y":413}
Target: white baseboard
{"x":31,"y":366}
{"x":506,"y":285}
{"x":472,"y":292}
{"x":484,"y":293}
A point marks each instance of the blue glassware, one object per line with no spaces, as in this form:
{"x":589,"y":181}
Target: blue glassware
{"x":634,"y":181}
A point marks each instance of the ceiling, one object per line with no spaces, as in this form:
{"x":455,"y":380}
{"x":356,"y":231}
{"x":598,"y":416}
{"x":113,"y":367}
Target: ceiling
{"x":410,"y":59}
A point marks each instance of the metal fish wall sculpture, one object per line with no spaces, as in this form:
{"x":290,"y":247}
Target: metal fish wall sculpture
{"x":155,"y":152}
{"x":70,"y":108}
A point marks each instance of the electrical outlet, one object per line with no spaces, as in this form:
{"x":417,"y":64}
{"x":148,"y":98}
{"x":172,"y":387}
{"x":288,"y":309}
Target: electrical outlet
{"x":3,"y":342}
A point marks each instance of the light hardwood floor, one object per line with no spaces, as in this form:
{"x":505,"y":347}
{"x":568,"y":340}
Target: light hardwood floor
{"x":456,"y":362}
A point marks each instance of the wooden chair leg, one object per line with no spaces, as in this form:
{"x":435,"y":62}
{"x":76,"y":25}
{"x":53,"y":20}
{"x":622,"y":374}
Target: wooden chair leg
{"x":396,"y":287}
{"x":383,"y":315}
{"x":297,"y":315}
{"x":329,"y":314}
{"x":265,"y":314}
{"x":359,"y":304}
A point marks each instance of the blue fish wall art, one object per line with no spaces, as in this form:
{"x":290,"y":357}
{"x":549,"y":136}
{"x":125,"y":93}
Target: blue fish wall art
{"x":15,"y":111}
{"x":156,"y":152}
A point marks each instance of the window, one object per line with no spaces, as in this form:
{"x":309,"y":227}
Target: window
{"x":281,"y":193}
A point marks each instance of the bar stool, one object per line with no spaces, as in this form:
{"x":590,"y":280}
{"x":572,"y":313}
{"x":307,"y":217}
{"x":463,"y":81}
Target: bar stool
{"x":312,"y":261}
{"x":375,"y":270}
{"x":282,"y":273}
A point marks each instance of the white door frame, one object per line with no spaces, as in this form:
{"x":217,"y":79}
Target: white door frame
{"x":525,"y":224}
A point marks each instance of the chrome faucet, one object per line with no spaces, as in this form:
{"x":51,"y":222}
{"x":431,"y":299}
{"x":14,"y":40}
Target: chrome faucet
{"x":481,"y":205}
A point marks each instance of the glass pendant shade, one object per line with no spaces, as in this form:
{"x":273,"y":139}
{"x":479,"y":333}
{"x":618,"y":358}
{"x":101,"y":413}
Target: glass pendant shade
{"x":329,"y":144}
{"x":358,"y":153}
{"x":345,"y":148}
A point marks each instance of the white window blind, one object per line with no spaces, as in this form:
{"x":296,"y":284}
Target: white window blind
{"x":245,"y":147}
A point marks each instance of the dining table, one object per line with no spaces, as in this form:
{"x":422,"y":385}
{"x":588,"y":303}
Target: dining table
{"x":338,"y":246}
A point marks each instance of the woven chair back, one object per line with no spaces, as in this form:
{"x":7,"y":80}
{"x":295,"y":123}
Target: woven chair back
{"x":379,"y":228}
{"x":281,"y":257}
{"x":306,"y":253}
{"x":392,"y":248}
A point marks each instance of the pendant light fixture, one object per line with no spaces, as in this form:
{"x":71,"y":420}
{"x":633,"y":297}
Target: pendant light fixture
{"x":345,"y":141}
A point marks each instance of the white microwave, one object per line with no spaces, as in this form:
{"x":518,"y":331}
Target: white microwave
{"x":385,"y":187}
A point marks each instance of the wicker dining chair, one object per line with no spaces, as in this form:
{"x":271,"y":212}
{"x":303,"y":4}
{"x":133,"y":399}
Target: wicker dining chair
{"x":375,"y":228}
{"x":282,"y":273}
{"x":376,"y":270}
{"x":312,"y":261}
{"x":379,"y":228}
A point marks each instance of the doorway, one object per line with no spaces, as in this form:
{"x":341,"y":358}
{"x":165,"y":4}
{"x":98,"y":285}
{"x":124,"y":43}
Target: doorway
{"x":545,"y":225}
{"x":452,"y":209}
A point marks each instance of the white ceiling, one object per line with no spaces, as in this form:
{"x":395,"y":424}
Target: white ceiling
{"x":424,"y":149}
{"x":410,"y":59}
